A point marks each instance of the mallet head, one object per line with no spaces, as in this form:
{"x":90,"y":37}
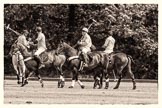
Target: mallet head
{"x":8,"y":26}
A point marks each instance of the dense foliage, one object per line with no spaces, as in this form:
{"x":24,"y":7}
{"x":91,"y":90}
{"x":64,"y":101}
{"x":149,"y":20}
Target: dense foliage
{"x":134,"y":26}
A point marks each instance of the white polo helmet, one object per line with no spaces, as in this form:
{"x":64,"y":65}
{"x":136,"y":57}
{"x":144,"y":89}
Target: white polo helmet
{"x":85,"y":29}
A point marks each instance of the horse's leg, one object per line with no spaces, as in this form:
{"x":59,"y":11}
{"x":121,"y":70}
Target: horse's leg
{"x":74,"y":74}
{"x":131,"y":74}
{"x":106,"y":81}
{"x":14,"y":62}
{"x":20,"y":75}
{"x":101,"y":80}
{"x":119,"y":71}
{"x":118,"y":83}
{"x":27,"y":75}
{"x":39,"y":78}
{"x":61,"y":77}
{"x":96,"y":81}
{"x":73,"y":80}
{"x":22,"y":71}
{"x":61,"y":81}
{"x":79,"y":82}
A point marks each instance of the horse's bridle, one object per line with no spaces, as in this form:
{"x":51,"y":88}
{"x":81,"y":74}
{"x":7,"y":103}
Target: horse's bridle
{"x":60,"y":48}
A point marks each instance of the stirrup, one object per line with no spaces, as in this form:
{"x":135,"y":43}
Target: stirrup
{"x":41,"y":66}
{"x":80,"y":69}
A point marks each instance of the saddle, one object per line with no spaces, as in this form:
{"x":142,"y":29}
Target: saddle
{"x":89,"y":57}
{"x":106,"y":57}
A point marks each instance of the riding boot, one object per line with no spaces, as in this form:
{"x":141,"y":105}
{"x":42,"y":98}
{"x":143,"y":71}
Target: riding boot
{"x":81,"y":66}
{"x":38,"y":59}
{"x":85,"y":58}
{"x":83,"y":62}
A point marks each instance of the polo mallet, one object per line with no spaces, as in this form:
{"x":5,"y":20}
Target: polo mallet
{"x":8,"y":28}
{"x":91,"y":21}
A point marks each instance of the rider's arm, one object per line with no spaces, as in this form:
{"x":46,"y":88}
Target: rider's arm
{"x":106,"y":43}
{"x":85,"y":41}
{"x":39,"y":37}
{"x":25,"y":42}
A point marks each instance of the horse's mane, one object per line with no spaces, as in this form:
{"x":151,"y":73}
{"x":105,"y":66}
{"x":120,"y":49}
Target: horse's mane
{"x":70,"y":47}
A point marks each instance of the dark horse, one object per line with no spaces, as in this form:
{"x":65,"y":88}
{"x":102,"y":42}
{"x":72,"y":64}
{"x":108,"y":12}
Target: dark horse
{"x":120,"y":63}
{"x":50,"y":59}
{"x":98,"y":59}
{"x":74,"y":61}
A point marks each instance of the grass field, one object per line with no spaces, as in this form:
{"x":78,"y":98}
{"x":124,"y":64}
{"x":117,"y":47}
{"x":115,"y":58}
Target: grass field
{"x":146,"y":93}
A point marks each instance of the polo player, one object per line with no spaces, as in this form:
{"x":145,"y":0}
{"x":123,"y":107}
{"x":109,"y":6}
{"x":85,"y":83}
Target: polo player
{"x":109,"y":43}
{"x":41,"y":46}
{"x":22,"y":39}
{"x":84,"y":44}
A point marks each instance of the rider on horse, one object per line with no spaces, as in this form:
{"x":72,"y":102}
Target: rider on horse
{"x":109,"y":43}
{"x":84,"y":44}
{"x":22,"y":39}
{"x":41,"y":46}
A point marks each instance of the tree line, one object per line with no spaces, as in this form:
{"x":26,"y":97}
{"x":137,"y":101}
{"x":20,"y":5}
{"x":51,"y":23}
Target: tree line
{"x":134,"y":27}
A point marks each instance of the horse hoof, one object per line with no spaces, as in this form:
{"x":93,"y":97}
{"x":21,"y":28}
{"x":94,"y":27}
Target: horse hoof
{"x":62,"y":84}
{"x":106,"y":87}
{"x":99,"y":87}
{"x":25,"y":82}
{"x":22,"y":85}
{"x":58,"y":85}
{"x":115,"y":87}
{"x":82,"y":86}
{"x":71,"y":87}
{"x":42,"y":85}
{"x":18,"y":82}
{"x":134,"y":87}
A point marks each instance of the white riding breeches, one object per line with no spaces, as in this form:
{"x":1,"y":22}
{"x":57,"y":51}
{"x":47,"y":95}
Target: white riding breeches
{"x":85,"y":50}
{"x":39,"y":51}
{"x":108,"y":51}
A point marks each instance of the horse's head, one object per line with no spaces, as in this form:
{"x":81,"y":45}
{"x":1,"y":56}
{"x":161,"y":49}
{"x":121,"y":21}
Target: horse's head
{"x":63,"y":47}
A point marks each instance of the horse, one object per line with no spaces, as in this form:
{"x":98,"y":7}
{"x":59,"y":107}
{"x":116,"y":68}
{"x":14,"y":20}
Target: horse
{"x":49,"y":58}
{"x":100,"y":60}
{"x":120,"y":63}
{"x":18,"y":64}
{"x":74,"y":61}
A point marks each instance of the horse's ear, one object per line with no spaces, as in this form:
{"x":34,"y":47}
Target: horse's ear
{"x":61,"y":41}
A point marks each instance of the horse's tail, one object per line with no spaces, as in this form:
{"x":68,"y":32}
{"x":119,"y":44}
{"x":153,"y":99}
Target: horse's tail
{"x":130,"y":57}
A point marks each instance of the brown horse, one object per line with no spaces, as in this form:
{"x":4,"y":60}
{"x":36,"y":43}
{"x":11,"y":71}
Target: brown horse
{"x":50,"y":59}
{"x":74,"y":61}
{"x":99,"y":60}
{"x":120,"y":63}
